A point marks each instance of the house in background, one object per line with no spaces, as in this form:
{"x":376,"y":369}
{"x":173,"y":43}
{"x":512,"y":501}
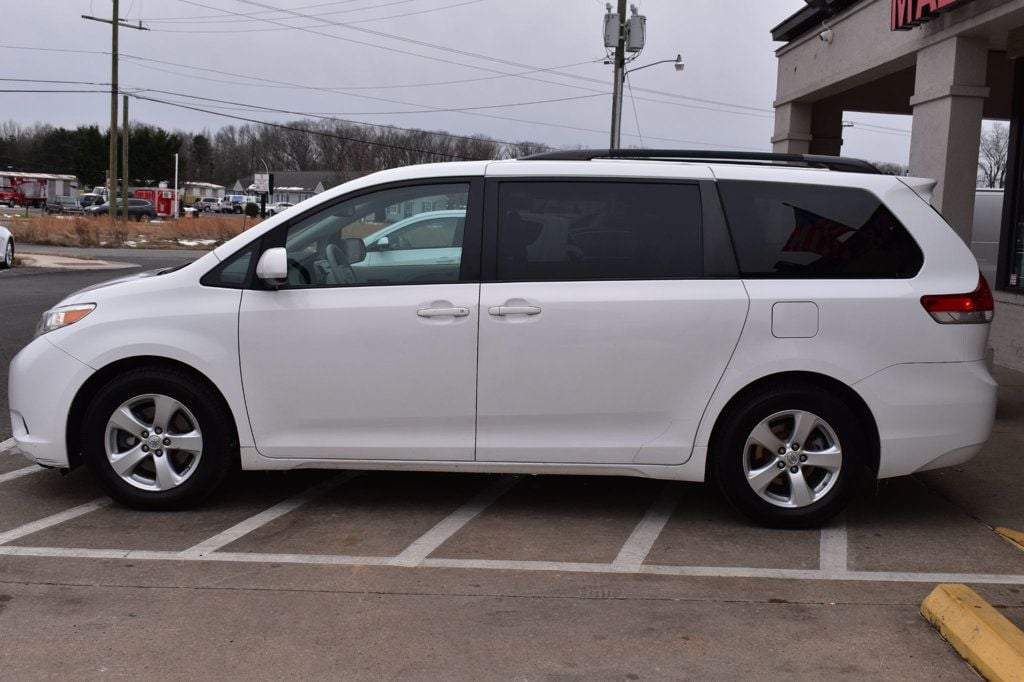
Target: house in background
{"x":296,"y":186}
{"x":201,"y":190}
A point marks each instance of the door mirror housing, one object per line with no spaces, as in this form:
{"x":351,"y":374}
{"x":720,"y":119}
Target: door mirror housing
{"x":273,"y":265}
{"x":355,"y":250}
{"x":382,"y":244}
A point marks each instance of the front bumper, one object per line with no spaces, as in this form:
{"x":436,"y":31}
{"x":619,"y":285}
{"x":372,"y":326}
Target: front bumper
{"x":930,"y":415}
{"x":42,"y":384}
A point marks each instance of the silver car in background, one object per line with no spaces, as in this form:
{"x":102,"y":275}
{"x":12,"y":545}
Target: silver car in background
{"x":988,"y":218}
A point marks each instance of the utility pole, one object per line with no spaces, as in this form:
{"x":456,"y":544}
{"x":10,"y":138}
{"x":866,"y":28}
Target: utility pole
{"x":124,"y":160}
{"x":115,"y":21}
{"x":620,"y":75}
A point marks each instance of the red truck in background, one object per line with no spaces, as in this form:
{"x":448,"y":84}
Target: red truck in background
{"x":32,"y":189}
{"x":162,"y":198}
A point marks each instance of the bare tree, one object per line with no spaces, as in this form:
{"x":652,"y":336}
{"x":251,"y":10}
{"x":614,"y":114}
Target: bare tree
{"x":890,"y":168}
{"x":995,"y":144}
{"x":517,"y":150}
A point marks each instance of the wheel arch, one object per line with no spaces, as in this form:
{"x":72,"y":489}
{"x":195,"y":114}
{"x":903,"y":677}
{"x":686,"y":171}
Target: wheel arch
{"x":801,"y":379}
{"x":92,"y":385}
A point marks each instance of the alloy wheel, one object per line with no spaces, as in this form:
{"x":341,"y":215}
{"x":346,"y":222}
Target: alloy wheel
{"x":153,"y":442}
{"x":792,"y":459}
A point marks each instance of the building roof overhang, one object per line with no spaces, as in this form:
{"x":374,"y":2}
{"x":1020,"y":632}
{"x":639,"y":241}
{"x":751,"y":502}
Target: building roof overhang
{"x":808,"y":18}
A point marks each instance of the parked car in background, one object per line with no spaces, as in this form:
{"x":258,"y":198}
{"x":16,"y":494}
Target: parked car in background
{"x":988,"y":220}
{"x":205,"y":204}
{"x":416,"y":245}
{"x":6,"y":248}
{"x":137,"y":208}
{"x":278,"y":207}
{"x":234,"y":203}
{"x":90,"y":199}
{"x":62,"y":205}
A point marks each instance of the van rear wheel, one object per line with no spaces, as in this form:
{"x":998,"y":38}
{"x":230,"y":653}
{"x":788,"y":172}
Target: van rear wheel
{"x":789,"y":457}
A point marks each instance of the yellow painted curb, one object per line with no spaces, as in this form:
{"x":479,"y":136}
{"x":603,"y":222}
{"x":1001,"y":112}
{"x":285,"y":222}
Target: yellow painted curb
{"x":1014,"y":536}
{"x":980,"y":634}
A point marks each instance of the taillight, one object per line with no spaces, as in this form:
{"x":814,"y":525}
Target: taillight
{"x":973,"y":308}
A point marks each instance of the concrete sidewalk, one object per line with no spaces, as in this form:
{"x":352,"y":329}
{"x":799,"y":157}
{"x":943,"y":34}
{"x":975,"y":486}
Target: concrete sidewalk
{"x":31,"y":259}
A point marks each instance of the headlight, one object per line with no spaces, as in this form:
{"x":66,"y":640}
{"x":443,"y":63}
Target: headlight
{"x":62,"y":317}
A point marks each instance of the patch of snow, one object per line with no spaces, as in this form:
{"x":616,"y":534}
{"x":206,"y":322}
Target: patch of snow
{"x":197,"y":242}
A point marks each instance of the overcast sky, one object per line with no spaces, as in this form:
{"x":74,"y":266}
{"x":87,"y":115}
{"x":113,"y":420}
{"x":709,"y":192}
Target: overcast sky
{"x":239,"y":52}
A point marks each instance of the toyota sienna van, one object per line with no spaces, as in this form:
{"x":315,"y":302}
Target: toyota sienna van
{"x":776,"y":323}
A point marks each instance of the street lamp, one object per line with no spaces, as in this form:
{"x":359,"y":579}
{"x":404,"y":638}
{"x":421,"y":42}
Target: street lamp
{"x":621,"y":75}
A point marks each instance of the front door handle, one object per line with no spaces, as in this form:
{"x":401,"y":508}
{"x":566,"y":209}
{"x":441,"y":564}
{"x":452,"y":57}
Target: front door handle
{"x":443,"y":312}
{"x":501,"y":310}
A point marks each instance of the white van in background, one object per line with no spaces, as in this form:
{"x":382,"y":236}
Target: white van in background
{"x":988,"y":217}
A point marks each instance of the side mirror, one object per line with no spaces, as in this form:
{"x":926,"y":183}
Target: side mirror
{"x":355,"y":250}
{"x":382,"y":244}
{"x":273,"y":264}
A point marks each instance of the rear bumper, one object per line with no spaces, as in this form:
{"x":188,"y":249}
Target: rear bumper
{"x":930,"y":415}
{"x":43,"y":382}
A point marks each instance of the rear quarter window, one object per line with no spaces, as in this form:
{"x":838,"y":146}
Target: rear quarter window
{"x":795,"y":230}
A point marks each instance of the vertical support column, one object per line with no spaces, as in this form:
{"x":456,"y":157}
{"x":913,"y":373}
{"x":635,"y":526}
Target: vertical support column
{"x":1008,"y":268}
{"x":792,"y":128}
{"x":826,"y":129}
{"x":949,"y":97}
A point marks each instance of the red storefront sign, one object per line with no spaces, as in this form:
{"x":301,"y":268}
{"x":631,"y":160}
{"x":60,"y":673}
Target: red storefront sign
{"x":906,"y":14}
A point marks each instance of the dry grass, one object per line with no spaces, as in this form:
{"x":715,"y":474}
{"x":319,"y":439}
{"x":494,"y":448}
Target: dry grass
{"x":90,"y":231}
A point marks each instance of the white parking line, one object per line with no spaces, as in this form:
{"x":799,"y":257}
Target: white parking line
{"x":501,"y":565}
{"x":53,"y":520}
{"x":833,"y":550}
{"x":636,"y":548}
{"x":238,"y":530}
{"x":6,"y":445}
{"x":419,"y":550}
{"x":18,"y":473}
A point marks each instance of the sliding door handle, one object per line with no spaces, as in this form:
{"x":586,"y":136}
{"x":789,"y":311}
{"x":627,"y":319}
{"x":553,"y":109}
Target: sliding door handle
{"x":501,"y":310}
{"x":443,"y":312}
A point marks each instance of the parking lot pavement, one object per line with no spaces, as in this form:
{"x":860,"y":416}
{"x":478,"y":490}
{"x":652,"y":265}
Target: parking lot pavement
{"x":367,"y":575}
{"x":377,"y":574}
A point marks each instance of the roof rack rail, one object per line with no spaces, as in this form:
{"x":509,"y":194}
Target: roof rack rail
{"x":835,"y":163}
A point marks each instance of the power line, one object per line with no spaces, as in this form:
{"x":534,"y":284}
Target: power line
{"x":505,"y":118}
{"x":57,"y":92}
{"x":636,"y":116}
{"x":220,"y":17}
{"x":303,"y":130}
{"x":258,"y":107}
{"x":443,"y":48}
{"x":292,"y":86}
{"x":357,"y":21}
{"x":400,"y":102}
{"x":500,"y":74}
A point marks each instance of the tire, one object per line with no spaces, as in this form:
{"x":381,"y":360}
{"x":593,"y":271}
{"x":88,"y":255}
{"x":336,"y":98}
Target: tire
{"x":755,"y":432}
{"x":236,"y":209}
{"x":176,"y":478}
{"x":8,"y":257}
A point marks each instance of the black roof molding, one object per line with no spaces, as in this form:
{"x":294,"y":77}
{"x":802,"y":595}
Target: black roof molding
{"x":834,"y":163}
{"x":809,"y":18}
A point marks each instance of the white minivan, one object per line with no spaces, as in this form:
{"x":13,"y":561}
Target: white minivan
{"x":778,"y":323}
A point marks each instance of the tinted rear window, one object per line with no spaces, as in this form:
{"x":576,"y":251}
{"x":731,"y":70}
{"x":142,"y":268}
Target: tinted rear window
{"x":598,"y":230}
{"x":794,"y":230}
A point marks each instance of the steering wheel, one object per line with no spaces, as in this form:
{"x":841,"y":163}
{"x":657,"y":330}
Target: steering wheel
{"x":300,"y":272}
{"x":342,"y":271}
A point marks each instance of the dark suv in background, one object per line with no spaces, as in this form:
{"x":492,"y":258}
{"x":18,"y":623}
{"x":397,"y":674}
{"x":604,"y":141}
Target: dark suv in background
{"x":137,"y":208}
{"x":62,"y":205}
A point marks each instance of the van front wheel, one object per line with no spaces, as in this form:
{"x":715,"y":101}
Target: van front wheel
{"x":156,"y":439}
